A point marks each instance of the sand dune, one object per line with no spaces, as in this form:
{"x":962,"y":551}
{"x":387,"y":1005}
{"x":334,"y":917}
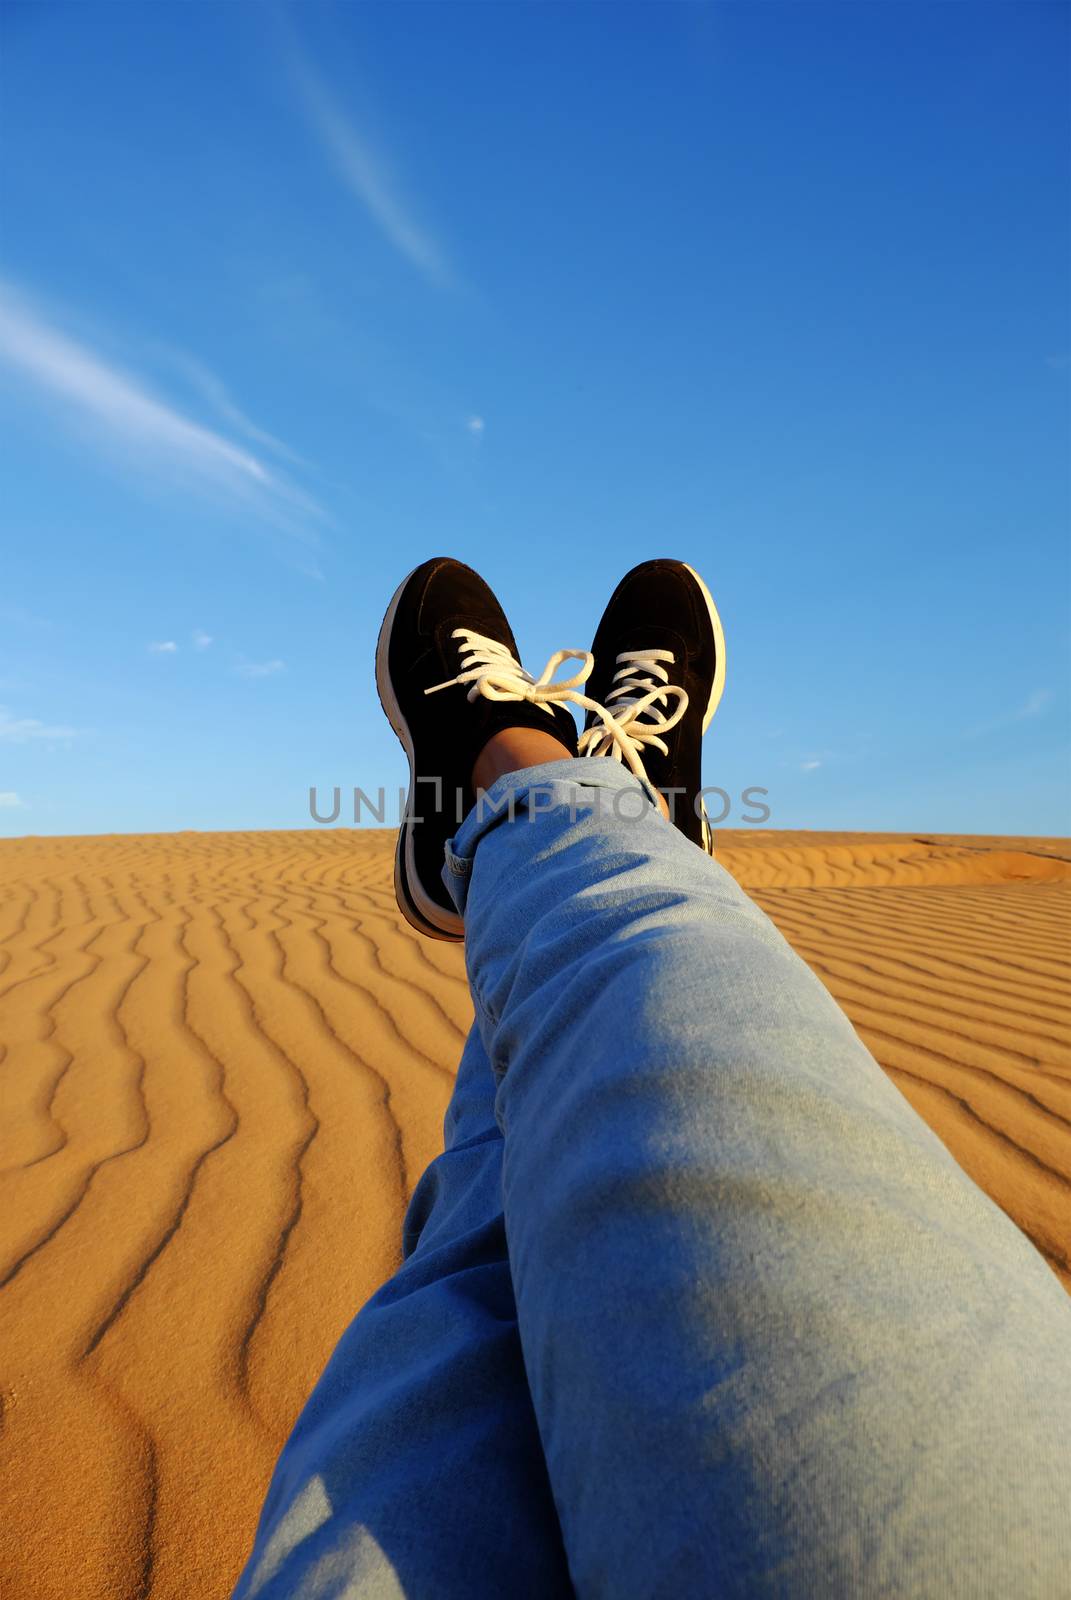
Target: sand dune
{"x":225,"y":1061}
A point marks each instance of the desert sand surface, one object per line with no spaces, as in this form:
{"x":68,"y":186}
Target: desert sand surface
{"x":225,"y":1060}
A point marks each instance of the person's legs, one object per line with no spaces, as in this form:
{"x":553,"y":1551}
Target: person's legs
{"x":415,"y":1468}
{"x":777,"y":1342}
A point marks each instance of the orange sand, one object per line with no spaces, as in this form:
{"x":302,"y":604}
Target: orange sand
{"x":225,"y":1061}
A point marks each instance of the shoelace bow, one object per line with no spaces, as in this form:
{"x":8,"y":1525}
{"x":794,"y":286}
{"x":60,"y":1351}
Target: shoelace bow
{"x":642,"y":684}
{"x":489,"y":669}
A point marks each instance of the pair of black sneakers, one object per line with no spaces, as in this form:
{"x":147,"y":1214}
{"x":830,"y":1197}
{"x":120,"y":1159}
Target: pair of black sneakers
{"x":449,"y":678}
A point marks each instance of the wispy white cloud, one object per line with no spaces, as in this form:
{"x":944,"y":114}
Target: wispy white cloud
{"x":1035,"y":705}
{"x":9,"y":800}
{"x":259,"y":669}
{"x":138,"y":425}
{"x":215,"y":392}
{"x":810,"y":766}
{"x":19,"y":730}
{"x":475,"y":425}
{"x":18,"y":617}
{"x":201,"y":640}
{"x":164,"y":647}
{"x":365,"y":171}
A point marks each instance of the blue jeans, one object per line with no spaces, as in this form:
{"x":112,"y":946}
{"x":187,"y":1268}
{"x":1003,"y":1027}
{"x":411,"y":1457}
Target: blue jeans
{"x":755,"y":1332}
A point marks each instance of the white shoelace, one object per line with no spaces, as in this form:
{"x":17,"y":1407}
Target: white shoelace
{"x":488,"y":669}
{"x":642,"y":684}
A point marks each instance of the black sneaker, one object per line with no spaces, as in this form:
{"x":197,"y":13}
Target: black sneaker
{"x":448,"y":678}
{"x":659,"y":671}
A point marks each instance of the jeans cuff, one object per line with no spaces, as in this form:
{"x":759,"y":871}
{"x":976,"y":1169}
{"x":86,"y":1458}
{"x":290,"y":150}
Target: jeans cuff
{"x":527,"y":791}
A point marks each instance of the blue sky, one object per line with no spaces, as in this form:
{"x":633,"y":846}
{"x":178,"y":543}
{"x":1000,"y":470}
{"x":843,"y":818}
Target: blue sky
{"x":292,"y":298}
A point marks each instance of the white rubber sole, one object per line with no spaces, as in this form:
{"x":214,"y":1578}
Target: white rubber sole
{"x":717,"y":688}
{"x":418,"y":910}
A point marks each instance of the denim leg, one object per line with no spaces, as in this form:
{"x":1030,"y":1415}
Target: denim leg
{"x":415,"y":1468}
{"x":778,"y":1343}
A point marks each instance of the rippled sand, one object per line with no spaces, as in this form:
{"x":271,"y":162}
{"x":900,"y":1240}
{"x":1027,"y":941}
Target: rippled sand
{"x":224,"y":1064}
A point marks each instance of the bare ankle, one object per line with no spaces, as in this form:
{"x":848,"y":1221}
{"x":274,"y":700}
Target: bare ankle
{"x":513,"y":748}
